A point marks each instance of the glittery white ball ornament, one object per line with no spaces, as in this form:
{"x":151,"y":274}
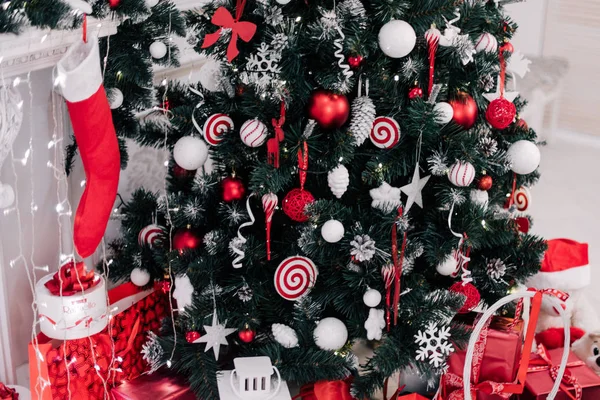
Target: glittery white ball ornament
{"x":479,"y":197}
{"x":210,"y":75}
{"x":461,"y":173}
{"x":285,"y":336}
{"x":332,"y":231}
{"x":524,"y":157}
{"x":190,"y":152}
{"x":444,"y":113}
{"x":448,"y":266}
{"x":330,"y":334}
{"x":158,"y":50}
{"x":372,"y":298}
{"x":140,"y":277}
{"x":115,"y":98}
{"x":283,"y":2}
{"x":397,"y":38}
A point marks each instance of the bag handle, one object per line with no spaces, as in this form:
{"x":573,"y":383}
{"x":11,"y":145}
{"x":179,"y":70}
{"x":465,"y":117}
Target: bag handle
{"x":235,"y":391}
{"x":536,"y":304}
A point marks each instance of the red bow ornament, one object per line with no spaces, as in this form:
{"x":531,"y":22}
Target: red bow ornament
{"x":72,"y":278}
{"x":224,"y":20}
{"x":544,"y":363}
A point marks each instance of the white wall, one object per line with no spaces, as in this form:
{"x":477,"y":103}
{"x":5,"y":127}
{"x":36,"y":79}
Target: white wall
{"x":40,"y":232}
{"x":531,"y":16}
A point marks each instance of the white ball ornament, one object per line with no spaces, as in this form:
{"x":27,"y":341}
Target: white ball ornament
{"x":332,"y":231}
{"x":151,"y":3}
{"x":461,"y":173}
{"x":7,"y":195}
{"x":448,"y":266}
{"x":486,"y":42}
{"x":372,"y":298}
{"x":330,"y":334}
{"x":524,"y":157}
{"x":397,"y":38}
{"x":116,"y":98}
{"x":140,"y":277}
{"x":190,"y":152}
{"x":444,"y":113}
{"x":253,"y":133}
{"x":158,"y":50}
{"x":479,"y":197}
{"x":283,"y":2}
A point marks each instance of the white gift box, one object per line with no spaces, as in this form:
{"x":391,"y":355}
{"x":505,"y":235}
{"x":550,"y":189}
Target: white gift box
{"x":251,"y":380}
{"x":72,"y":317}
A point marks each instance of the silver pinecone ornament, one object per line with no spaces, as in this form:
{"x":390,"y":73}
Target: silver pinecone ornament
{"x":338,"y":180}
{"x":363,"y":115}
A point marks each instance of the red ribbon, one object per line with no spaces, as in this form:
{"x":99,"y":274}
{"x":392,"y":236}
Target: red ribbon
{"x":326,"y":390}
{"x":72,"y":278}
{"x":303,"y":163}
{"x":224,"y":20}
{"x":273,"y":143}
{"x":397,"y":263}
{"x":562,"y":296}
{"x":544,"y":363}
{"x":7,"y":393}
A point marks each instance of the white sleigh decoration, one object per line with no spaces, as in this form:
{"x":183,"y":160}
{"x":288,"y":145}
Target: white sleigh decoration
{"x":252,"y":380}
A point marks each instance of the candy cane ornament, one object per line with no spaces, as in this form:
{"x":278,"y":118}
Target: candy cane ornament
{"x":269,"y":202}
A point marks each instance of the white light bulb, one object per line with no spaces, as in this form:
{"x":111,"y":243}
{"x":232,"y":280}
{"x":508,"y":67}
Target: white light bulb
{"x":16,"y":81}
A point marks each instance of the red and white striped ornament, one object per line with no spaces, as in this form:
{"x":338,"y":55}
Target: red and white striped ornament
{"x":385,"y":133}
{"x":269,"y":202}
{"x":253,"y":133}
{"x":486,"y":42}
{"x":522,"y":199}
{"x":151,"y":235}
{"x":461,"y":173}
{"x":295,"y":277}
{"x":215,"y":127}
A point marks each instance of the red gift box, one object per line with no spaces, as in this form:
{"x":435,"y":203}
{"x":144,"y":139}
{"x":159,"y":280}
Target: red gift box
{"x":157,"y":386}
{"x":540,"y":381}
{"x":86,"y":368}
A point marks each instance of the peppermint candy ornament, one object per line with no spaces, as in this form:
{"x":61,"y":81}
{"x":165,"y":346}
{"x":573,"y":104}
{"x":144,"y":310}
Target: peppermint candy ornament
{"x":295,"y":277}
{"x":385,"y":133}
{"x":215,"y":127}
{"x":338,"y":180}
{"x":461,"y":173}
{"x":522,"y":199}
{"x":486,"y":42}
{"x":253,"y":133}
{"x":151,"y":236}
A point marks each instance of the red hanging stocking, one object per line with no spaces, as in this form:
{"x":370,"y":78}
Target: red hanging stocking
{"x":80,"y":79}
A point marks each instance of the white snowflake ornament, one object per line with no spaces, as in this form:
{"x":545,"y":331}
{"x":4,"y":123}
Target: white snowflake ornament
{"x":338,"y":180}
{"x":434,"y":343}
{"x":184,"y":290}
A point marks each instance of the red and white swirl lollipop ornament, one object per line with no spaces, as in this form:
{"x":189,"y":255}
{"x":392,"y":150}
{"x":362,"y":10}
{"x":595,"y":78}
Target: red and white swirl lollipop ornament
{"x":432,"y":36}
{"x":269,"y":202}
{"x":385,"y":133}
{"x":461,"y":173}
{"x":295,"y":277}
{"x":151,"y":236}
{"x":253,"y":133}
{"x":522,"y":199}
{"x":215,"y":127}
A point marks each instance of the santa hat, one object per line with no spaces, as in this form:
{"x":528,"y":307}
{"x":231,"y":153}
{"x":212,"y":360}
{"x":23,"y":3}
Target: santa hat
{"x":565,"y":266}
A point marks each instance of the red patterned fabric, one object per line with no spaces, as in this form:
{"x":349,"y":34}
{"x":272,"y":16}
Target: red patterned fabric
{"x":81,"y":369}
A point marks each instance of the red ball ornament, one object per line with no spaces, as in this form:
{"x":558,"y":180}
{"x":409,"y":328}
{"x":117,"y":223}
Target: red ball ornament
{"x":182,"y":173}
{"x":246,"y":335}
{"x":500,"y":113}
{"x":465,"y":110}
{"x":471,"y":293}
{"x":192,"y":336}
{"x":415,"y":92}
{"x":355,"y":61}
{"x":114,"y":3}
{"x":329,"y":109}
{"x":485,"y":182}
{"x":507,"y":47}
{"x":232,"y":188}
{"x":185,"y":239}
{"x":295,"y":202}
{"x":522,"y":124}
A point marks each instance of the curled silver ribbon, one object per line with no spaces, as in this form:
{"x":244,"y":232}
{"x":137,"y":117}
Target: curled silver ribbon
{"x":237,"y":262}
{"x":200,"y":104}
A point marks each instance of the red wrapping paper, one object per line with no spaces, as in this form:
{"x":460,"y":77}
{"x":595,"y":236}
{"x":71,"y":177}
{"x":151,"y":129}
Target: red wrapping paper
{"x":501,"y":356}
{"x":539,"y":384}
{"x":157,"y":386}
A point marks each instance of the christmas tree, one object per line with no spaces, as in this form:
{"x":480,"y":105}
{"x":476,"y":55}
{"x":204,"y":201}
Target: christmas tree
{"x":368,"y":170}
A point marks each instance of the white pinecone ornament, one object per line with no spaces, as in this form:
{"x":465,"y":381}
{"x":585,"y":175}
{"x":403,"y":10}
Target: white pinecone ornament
{"x":363,"y":115}
{"x":285,"y":335}
{"x":338,"y":180}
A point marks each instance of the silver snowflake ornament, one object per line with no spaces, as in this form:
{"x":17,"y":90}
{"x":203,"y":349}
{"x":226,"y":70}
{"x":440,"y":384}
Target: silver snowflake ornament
{"x":434,"y":343}
{"x":275,"y":17}
{"x":363,"y":248}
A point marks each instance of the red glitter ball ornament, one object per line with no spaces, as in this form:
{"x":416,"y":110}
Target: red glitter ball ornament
{"x":185,"y":239}
{"x":246,"y":335}
{"x":232,"y":188}
{"x":114,"y":3}
{"x":192,"y":336}
{"x":500,"y":113}
{"x":355,"y":61}
{"x":295,"y":202}
{"x":485,"y":182}
{"x":329,"y":109}
{"x":471,"y":293}
{"x":415,"y":92}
